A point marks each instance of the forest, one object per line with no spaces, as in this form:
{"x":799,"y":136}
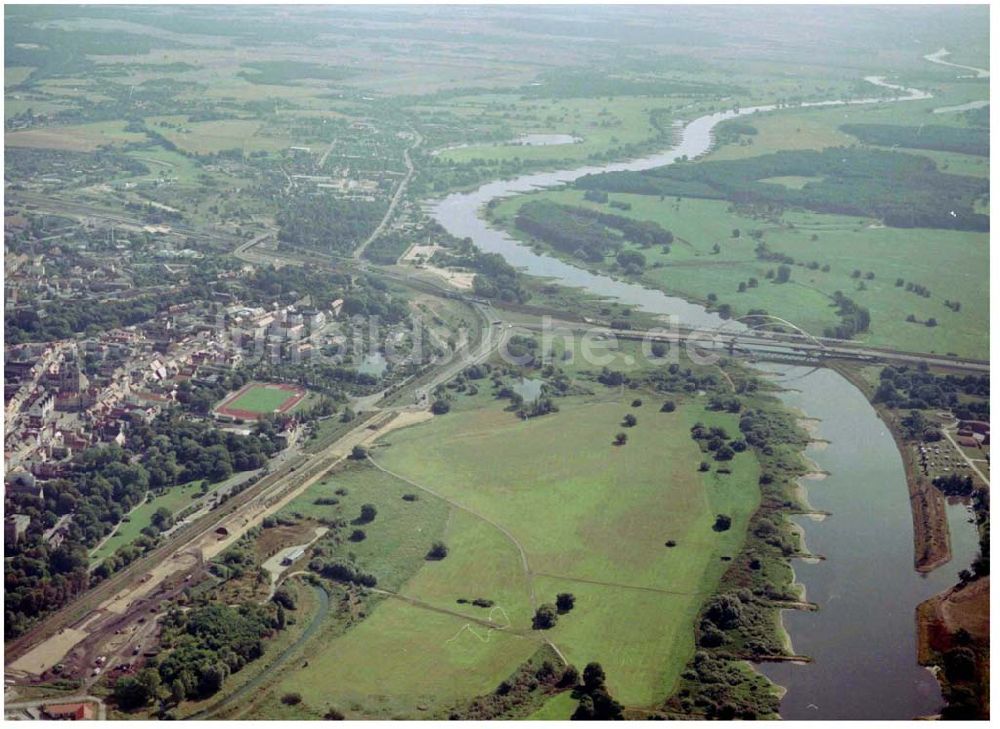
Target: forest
{"x":328,"y":224}
{"x":903,"y":190}
{"x":927,"y":136}
{"x":585,"y":233}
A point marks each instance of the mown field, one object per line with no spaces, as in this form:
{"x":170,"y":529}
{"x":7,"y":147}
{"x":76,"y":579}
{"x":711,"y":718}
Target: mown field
{"x":594,"y":525}
{"x":950,"y":263}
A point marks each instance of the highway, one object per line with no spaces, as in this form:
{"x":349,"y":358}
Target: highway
{"x":767,"y":345}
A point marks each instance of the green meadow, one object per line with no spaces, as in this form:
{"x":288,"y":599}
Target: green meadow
{"x":595,"y":525}
{"x":949,"y":263}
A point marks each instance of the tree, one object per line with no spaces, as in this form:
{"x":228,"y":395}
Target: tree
{"x":178,"y":691}
{"x":724,"y":453}
{"x":584,"y":710}
{"x":621,"y":439}
{"x":368,"y":512}
{"x":162,"y":519}
{"x":593,"y":677}
{"x":134,"y":692}
{"x":438,"y":551}
{"x":359,"y":453}
{"x":570,"y":676}
{"x":440,"y":406}
{"x":565,"y":602}
{"x":725,"y":611}
{"x":629,"y":420}
{"x":784,"y":274}
{"x":546,"y":617}
{"x":358,"y":535}
{"x":722,"y":523}
{"x":668,"y":407}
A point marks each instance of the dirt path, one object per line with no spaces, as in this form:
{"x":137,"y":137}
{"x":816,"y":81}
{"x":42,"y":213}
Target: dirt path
{"x":484,"y":622}
{"x":620,"y":586}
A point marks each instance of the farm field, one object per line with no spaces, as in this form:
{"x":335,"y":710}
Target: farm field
{"x":594,"y":526}
{"x":76,"y":138}
{"x":948,"y":263}
{"x":214,"y":136}
{"x":600,"y":124}
{"x":259,"y":398}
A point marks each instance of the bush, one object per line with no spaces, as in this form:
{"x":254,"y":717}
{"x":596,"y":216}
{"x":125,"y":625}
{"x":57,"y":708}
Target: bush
{"x":358,"y":535}
{"x":440,"y":406}
{"x":291,"y":699}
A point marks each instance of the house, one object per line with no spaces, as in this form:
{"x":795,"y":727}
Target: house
{"x":14,"y":527}
{"x":293,"y":555}
{"x":23,"y":483}
{"x":76,"y":711}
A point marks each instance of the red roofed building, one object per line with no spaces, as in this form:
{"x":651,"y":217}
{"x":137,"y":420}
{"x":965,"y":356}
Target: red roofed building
{"x":73,"y":712}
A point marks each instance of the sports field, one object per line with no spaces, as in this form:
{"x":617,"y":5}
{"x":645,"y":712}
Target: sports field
{"x":258,"y":398}
{"x":523,"y":524}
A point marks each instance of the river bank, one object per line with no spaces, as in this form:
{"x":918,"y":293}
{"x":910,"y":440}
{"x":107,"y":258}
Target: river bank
{"x":868,"y":549}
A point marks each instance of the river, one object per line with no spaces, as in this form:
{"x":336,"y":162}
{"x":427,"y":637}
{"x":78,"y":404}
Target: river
{"x":862,"y":639}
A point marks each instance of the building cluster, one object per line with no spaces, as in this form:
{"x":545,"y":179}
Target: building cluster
{"x":62,"y":397}
{"x":973,"y":433}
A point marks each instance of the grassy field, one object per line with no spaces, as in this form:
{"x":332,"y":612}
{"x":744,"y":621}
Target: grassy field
{"x":601,"y":124}
{"x":14,"y":75}
{"x":214,"y":136}
{"x":175,"y":500}
{"x":77,"y":138}
{"x":594,"y":526}
{"x":950,"y":263}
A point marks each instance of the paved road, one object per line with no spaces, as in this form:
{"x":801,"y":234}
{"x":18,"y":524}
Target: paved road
{"x":396,"y":197}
